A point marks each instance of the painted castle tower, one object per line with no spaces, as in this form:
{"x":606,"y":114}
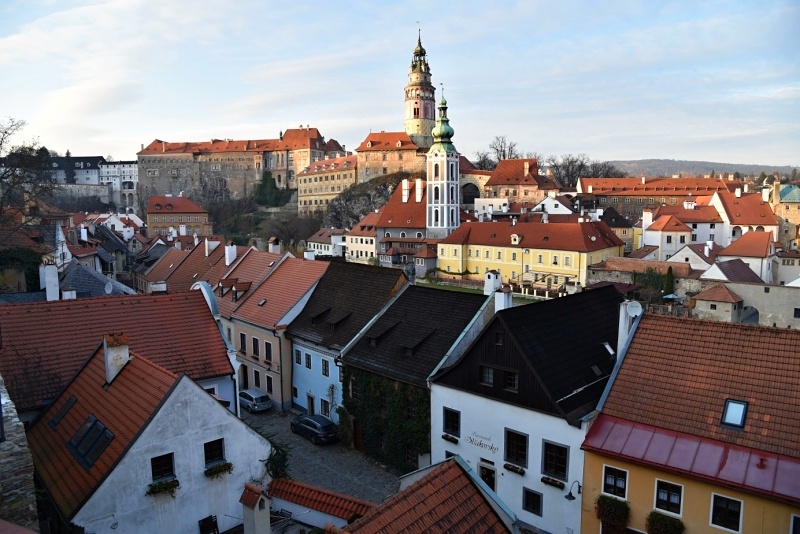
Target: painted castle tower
{"x":420,"y":101}
{"x":442,"y":173}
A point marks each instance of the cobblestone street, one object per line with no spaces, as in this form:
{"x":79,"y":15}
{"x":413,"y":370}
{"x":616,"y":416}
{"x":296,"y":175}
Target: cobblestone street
{"x":334,"y":467}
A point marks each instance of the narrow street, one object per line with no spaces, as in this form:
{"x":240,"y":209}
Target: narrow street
{"x":332,"y":466}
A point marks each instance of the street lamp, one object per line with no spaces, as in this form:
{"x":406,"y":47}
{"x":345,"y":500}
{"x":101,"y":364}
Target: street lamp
{"x":569,"y":496}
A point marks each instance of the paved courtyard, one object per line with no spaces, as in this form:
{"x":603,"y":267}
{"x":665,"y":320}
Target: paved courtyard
{"x":333,"y":466}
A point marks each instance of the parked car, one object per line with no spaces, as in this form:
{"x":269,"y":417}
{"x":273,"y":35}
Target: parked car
{"x":317,"y":428}
{"x":254,"y":400}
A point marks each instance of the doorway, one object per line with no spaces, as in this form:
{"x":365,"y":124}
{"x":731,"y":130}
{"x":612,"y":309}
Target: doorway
{"x":310,"y":402}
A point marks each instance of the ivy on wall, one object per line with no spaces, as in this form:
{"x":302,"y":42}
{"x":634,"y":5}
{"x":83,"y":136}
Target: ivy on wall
{"x":389,"y":428}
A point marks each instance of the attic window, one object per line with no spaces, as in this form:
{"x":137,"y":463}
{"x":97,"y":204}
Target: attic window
{"x":89,"y":442}
{"x":262,"y":302}
{"x":735,"y":413}
{"x":271,"y":264}
{"x":158,"y":206}
{"x":169,"y":206}
{"x":63,"y":411}
{"x":596,"y":370}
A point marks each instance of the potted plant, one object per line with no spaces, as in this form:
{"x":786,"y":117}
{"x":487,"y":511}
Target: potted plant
{"x":168,"y":487}
{"x":658,"y":523}
{"x":217,"y":470}
{"x":613,"y":513}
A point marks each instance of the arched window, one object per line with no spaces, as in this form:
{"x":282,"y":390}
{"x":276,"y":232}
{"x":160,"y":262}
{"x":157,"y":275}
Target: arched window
{"x":435,"y":170}
{"x":402,"y":234}
{"x":436,"y":217}
{"x":452,"y":169}
{"x":436,"y":194}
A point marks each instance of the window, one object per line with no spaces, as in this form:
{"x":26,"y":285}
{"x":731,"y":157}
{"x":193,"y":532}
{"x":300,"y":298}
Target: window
{"x":242,"y":343}
{"x":516,"y":448}
{"x":256,"y":378}
{"x":487,"y":375}
{"x":713,"y":306}
{"x":325,"y":368}
{"x":498,"y":338}
{"x":669,"y":239}
{"x":510,"y":381}
{"x":162,"y":467}
{"x":89,"y":442}
{"x":725,"y":512}
{"x":795,"y":529}
{"x":682,"y":239}
{"x":532,"y":501}
{"x":668,"y":497}
{"x":297,"y":356}
{"x":615,"y":481}
{"x":256,"y":347}
{"x":308,"y":361}
{"x":797,"y":313}
{"x":268,"y":351}
{"x":539,"y":259}
{"x":627,"y":200}
{"x":214,"y":451}
{"x":566,"y":261}
{"x":325,"y":407}
{"x":65,"y":408}
{"x":412,"y":458}
{"x":735,"y":413}
{"x":269,"y":384}
{"x":294,"y":391}
{"x":694,"y":237}
{"x":555,"y":460}
{"x":452,"y":422}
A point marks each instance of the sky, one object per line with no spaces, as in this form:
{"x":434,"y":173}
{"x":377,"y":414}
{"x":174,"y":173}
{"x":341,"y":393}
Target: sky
{"x":616,"y":80}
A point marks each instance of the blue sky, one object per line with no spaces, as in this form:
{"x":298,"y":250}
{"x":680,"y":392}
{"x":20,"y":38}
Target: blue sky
{"x":714,"y":81}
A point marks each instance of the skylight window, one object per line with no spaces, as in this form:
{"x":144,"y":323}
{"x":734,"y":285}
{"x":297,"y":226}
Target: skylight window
{"x":65,"y":408}
{"x":89,"y":442}
{"x":735,"y":413}
{"x":262,"y":302}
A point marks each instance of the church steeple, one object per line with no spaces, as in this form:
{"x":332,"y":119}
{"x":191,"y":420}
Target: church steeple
{"x":444,"y":195}
{"x":419,"y":99}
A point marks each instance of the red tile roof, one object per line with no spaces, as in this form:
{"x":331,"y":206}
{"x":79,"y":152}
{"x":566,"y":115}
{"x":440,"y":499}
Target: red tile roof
{"x":322,"y":500}
{"x":735,"y":270}
{"x":255,"y":266}
{"x":512,"y":172}
{"x":324,"y":235}
{"x":386,"y":141}
{"x":633,"y":265}
{"x":165,"y":266}
{"x":445,"y":500}
{"x":643,"y":252}
{"x":124,"y":408}
{"x":330,"y":165}
{"x":45,"y":343}
{"x":410,"y":214}
{"x":251,"y":495}
{"x":280,"y":291}
{"x":677,"y":374}
{"x":581,"y":237}
{"x":366,"y":226}
{"x":655,"y":186}
{"x":774,"y":476}
{"x":750,"y":245}
{"x":700,"y":214}
{"x":165,"y":205}
{"x":668,"y":223}
{"x":718,"y":293}
{"x":215,"y":273}
{"x":195,"y":266}
{"x":747,"y":210}
{"x":292,"y":139}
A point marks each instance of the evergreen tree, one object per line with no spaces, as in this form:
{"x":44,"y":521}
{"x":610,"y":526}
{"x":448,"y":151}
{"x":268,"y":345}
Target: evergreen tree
{"x":69,"y":169}
{"x":669,"y":282}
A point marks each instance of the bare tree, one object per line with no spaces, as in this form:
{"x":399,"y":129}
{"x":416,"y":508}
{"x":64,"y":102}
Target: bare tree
{"x":568,"y":169}
{"x":484,"y":161}
{"x":503,"y":148}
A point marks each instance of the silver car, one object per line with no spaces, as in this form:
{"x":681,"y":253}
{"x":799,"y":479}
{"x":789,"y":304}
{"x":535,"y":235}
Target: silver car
{"x":254,"y":400}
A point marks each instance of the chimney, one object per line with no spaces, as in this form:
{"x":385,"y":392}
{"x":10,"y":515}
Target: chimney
{"x":142,"y":146}
{"x":527,"y":169}
{"x":502,"y":298}
{"x":709,"y":245}
{"x":706,"y":250}
{"x":491,"y":282}
{"x":163,"y":146}
{"x":230,"y":254}
{"x":647,"y":219}
{"x":48,"y":280}
{"x":590,"y":189}
{"x":255,"y":510}
{"x":405,"y":190}
{"x":84,"y":233}
{"x":115,"y":348}
{"x":738,"y":192}
{"x":196,"y":240}
{"x":628,"y":311}
{"x":643,"y":180}
{"x":746,"y":188}
{"x":211,"y":246}
{"x":419,"y":190}
{"x":545,"y":217}
{"x":274,"y":245}
{"x":309,"y":255}
{"x":765,"y":193}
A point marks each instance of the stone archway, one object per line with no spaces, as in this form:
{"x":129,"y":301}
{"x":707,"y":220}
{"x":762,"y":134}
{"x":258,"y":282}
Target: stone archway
{"x":469,"y":192}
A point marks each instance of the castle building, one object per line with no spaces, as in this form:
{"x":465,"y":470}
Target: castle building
{"x":420,"y":116}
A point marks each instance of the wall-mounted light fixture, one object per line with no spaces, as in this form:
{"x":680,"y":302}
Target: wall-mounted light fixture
{"x":569,"y":496}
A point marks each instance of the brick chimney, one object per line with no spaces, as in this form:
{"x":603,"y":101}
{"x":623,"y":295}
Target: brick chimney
{"x":255,"y":510}
{"x":115,"y":348}
{"x":405,"y":190}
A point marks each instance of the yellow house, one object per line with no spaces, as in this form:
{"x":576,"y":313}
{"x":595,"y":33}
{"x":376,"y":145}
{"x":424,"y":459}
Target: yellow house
{"x":531,"y":254}
{"x":700,"y":425}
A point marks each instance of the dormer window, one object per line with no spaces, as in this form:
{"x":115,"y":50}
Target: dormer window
{"x":735,"y":413}
{"x":158,"y":206}
{"x":169,"y":206}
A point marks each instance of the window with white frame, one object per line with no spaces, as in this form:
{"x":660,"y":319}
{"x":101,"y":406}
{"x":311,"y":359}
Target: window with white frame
{"x":669,"y":497}
{"x":726,"y":513}
{"x":615,"y":481}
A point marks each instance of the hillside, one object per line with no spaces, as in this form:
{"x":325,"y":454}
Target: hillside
{"x":670,"y":167}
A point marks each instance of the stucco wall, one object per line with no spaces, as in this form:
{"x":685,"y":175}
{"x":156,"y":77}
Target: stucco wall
{"x":312,"y":382}
{"x":188,"y":419}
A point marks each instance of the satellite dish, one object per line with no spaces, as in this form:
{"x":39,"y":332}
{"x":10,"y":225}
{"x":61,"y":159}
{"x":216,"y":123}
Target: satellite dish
{"x":109,"y":288}
{"x":634,"y":309}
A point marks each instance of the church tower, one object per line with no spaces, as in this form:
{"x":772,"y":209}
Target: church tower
{"x":420,"y":99}
{"x":443,"y":194}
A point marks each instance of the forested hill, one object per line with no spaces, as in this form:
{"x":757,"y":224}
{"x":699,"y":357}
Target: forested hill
{"x":670,"y":167}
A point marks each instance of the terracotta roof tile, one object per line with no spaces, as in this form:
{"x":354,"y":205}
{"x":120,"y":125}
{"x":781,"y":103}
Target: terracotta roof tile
{"x":699,"y":214}
{"x":255,"y":266}
{"x":165,"y":205}
{"x":718,"y":293}
{"x":410,"y":214}
{"x":250,"y":495}
{"x":324,"y":235}
{"x":386,"y":141}
{"x":366,"y":226}
{"x":736,"y":270}
{"x":45,"y":343}
{"x":749,"y":209}
{"x":444,"y":500}
{"x":328,"y":165}
{"x":322,"y":500}
{"x":165,"y":266}
{"x":582,"y":237}
{"x":683,"y":386}
{"x":197,"y":264}
{"x":655,"y":186}
{"x":124,"y":408}
{"x":641,"y":253}
{"x":668,"y":223}
{"x":750,"y":245}
{"x":292,"y":139}
{"x":512,"y":172}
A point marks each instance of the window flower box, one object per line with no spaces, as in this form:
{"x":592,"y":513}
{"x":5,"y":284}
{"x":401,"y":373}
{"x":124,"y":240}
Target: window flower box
{"x":168,"y":487}
{"x":448,"y":437}
{"x":515,"y":469}
{"x":550,"y":481}
{"x":217,"y":470}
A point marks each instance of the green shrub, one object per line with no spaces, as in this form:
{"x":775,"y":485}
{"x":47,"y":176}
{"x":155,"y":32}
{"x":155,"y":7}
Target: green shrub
{"x":613,"y":513}
{"x":658,"y":523}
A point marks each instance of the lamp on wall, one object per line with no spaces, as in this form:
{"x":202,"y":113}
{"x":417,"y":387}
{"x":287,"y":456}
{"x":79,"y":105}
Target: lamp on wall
{"x":569,"y":496}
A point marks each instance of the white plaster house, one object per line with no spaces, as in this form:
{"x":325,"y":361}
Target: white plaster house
{"x":130,"y":447}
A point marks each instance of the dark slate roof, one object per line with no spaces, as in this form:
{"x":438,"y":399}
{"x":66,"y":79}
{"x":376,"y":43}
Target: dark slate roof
{"x":737,"y":270}
{"x":21,"y":298}
{"x":347,"y":297}
{"x":89,"y":283}
{"x":405,"y":344}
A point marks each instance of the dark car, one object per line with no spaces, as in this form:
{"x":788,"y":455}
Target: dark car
{"x":317,"y":428}
{"x":254,"y":400}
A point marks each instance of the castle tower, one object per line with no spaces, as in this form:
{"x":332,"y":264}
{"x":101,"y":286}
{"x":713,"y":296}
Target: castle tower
{"x":442,"y":215}
{"x":420,"y":100}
